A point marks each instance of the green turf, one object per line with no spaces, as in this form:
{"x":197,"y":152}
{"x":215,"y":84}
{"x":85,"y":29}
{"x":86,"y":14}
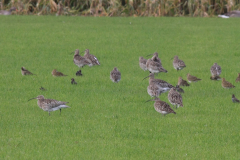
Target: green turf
{"x":108,"y":120}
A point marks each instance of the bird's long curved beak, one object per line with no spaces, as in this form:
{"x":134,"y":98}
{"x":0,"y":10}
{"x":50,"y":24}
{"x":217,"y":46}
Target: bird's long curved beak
{"x":149,"y":55}
{"x":32,"y":99}
{"x":146,"y":77}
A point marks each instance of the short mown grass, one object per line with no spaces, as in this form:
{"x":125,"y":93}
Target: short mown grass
{"x":108,"y":120}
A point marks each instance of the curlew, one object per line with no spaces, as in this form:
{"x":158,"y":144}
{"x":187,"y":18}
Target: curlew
{"x":79,"y":73}
{"x":162,"y":107}
{"x":57,"y":74}
{"x":191,"y":78}
{"x":226,"y":84}
{"x":142,"y":63}
{"x":153,"y":90}
{"x":50,"y":104}
{"x":155,"y":67}
{"x":73,"y":81}
{"x":163,"y":85}
{"x":182,"y":82}
{"x":93,"y":59}
{"x":115,"y":75}
{"x":215,"y":70}
{"x":238,"y":78}
{"x":175,"y":98}
{"x":79,"y":60}
{"x":25,"y":72}
{"x":178,"y":64}
{"x":155,"y":58}
{"x":234,"y":99}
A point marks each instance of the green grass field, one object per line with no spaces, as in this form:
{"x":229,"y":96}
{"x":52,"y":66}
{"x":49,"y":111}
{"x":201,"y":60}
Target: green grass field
{"x":108,"y":120}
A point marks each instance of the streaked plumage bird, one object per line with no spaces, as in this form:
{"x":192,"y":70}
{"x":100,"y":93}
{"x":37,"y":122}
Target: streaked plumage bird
{"x":215,"y":70}
{"x":93,"y":59}
{"x":50,"y":104}
{"x":191,"y":78}
{"x":163,"y":85}
{"x":153,"y":90}
{"x":180,"y":90}
{"x":79,"y":73}
{"x":142,"y":63}
{"x":25,"y":72}
{"x":42,"y":89}
{"x":155,"y":58}
{"x":175,"y":98}
{"x":162,"y":107}
{"x":178,"y":64}
{"x":216,"y":78}
{"x":182,"y":82}
{"x":154,"y":67}
{"x":79,"y":60}
{"x":234,"y":99}
{"x":115,"y":75}
{"x":73,"y":81}
{"x":226,"y":84}
{"x":57,"y":74}
{"x":238,"y":78}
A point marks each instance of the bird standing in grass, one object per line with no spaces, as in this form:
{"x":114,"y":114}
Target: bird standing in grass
{"x":154,"y":67}
{"x":79,"y":73}
{"x":153,"y":90}
{"x":155,"y":58}
{"x":182,"y":82}
{"x":57,"y":74}
{"x":175,"y":98}
{"x":161,"y":84}
{"x":142,"y":63}
{"x":25,"y":72}
{"x":115,"y":75}
{"x":234,"y":99}
{"x":178,"y":64}
{"x":191,"y":78}
{"x":79,"y":60}
{"x":238,"y":78}
{"x":162,"y":107}
{"x":93,"y":59}
{"x":215,"y":71}
{"x":226,"y":84}
{"x":73,"y":81}
{"x":50,"y":104}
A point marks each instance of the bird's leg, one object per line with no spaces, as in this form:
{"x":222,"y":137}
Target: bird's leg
{"x":60,"y":111}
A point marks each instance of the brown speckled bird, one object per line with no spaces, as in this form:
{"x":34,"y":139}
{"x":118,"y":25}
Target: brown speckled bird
{"x":153,"y":90}
{"x":49,"y":104}
{"x":180,"y":90}
{"x":215,"y":70}
{"x":226,"y":84}
{"x":175,"y":98}
{"x":238,"y":78}
{"x":234,"y":99}
{"x":115,"y":75}
{"x":154,"y":65}
{"x":79,"y":60}
{"x":182,"y":82}
{"x":25,"y":72}
{"x":162,"y":107}
{"x":178,"y":64}
{"x":191,"y":78}
{"x":155,"y":58}
{"x":93,"y":59}
{"x":163,"y":85}
{"x":142,"y":63}
{"x":57,"y":74}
